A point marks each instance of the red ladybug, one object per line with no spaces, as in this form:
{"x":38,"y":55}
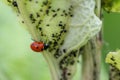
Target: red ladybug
{"x":37,"y":46}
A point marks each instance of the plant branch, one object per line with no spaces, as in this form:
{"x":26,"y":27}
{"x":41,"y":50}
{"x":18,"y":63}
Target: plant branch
{"x":91,"y":60}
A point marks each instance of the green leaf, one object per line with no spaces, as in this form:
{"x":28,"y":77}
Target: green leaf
{"x":111,"y":5}
{"x":66,"y":25}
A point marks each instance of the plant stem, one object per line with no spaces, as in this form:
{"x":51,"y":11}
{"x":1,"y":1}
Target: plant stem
{"x":98,"y":8}
{"x":91,"y":56}
{"x":56,"y":72}
{"x":87,"y":63}
{"x":91,"y":60}
{"x":51,"y":67}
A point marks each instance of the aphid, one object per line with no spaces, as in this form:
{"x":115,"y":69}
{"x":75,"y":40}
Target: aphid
{"x":37,"y":46}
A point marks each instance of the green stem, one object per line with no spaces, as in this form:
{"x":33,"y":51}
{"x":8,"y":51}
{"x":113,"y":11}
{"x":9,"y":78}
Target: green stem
{"x":52,"y":67}
{"x":98,"y":8}
{"x":57,"y":73}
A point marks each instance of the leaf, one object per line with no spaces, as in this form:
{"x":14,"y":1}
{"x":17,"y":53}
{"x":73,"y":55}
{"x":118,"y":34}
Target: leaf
{"x":65,"y":25}
{"x":111,"y":5}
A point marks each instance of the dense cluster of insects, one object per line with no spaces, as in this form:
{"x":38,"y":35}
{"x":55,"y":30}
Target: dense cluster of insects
{"x":45,"y":19}
{"x":59,"y":28}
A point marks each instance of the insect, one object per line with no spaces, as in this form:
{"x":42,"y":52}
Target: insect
{"x":37,"y":46}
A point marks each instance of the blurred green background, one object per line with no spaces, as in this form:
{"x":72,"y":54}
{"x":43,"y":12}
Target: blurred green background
{"x":19,"y":62}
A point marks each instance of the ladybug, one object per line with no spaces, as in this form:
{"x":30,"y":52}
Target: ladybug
{"x":37,"y":46}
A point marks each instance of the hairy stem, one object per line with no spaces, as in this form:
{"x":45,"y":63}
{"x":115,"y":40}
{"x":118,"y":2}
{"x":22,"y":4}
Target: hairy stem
{"x":51,"y":67}
{"x":91,"y":60}
{"x":87,"y":63}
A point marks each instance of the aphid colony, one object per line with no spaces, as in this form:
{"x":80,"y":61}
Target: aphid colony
{"x":49,"y":23}
{"x":56,"y":32}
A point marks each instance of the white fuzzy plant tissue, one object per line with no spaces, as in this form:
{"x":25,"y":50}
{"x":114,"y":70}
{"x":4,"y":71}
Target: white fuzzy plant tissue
{"x":84,"y":25}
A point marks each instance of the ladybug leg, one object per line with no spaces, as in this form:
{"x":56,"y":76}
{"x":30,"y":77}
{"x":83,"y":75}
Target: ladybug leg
{"x":35,"y":40}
